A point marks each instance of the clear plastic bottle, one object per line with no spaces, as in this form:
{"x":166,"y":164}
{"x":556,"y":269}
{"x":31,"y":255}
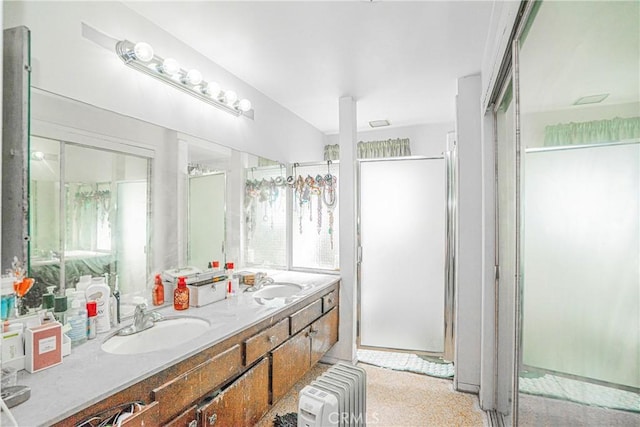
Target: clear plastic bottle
{"x":181,"y":295}
{"x":77,"y":319}
{"x":158,"y":291}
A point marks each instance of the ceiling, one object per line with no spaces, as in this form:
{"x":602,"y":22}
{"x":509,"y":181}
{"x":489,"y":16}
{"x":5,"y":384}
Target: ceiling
{"x":399,"y":60}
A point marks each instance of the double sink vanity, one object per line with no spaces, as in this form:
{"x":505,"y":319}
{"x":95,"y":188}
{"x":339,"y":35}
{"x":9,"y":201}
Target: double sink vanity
{"x":222,"y":364}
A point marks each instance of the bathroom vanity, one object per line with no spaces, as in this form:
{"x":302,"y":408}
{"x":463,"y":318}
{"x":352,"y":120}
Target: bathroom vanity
{"x":253,"y":353}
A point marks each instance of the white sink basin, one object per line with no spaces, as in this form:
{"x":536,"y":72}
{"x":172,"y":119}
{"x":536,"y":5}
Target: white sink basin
{"x":163,"y":334}
{"x":277,"y":290}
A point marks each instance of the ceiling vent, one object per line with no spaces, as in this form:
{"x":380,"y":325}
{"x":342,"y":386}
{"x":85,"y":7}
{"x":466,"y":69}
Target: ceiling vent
{"x":591,"y":99}
{"x":379,"y":123}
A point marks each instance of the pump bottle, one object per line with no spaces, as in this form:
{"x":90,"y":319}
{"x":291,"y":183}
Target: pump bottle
{"x":181,"y":295}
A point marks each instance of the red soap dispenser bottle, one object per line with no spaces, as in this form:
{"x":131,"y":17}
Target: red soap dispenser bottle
{"x":158,"y":291}
{"x":181,"y":295}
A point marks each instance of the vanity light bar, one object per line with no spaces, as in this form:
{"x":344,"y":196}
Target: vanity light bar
{"x":141,"y":57}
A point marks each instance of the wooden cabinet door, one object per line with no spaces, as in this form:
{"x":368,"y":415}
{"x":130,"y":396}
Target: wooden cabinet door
{"x":289,"y":363}
{"x":324,"y":334}
{"x":243,"y":403}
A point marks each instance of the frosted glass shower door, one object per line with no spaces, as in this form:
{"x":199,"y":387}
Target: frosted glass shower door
{"x":402,"y":233}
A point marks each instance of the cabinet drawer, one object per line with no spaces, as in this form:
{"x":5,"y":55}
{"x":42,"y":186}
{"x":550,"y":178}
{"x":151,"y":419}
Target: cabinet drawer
{"x":148,"y":416}
{"x":329,"y":301}
{"x":188,"y":418}
{"x":267,"y":340}
{"x":185,"y":389}
{"x":302,"y":318}
{"x":243,"y":403}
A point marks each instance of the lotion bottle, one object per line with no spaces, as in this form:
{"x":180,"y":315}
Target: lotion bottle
{"x":99,"y":292}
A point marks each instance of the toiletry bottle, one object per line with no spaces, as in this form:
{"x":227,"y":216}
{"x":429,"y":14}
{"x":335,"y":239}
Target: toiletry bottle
{"x":60,"y":309}
{"x":99,"y":291}
{"x":181,"y":295}
{"x":77,"y":319}
{"x":158,"y":291}
{"x":92,"y":314}
{"x":232,"y":283}
{"x":8,"y":298}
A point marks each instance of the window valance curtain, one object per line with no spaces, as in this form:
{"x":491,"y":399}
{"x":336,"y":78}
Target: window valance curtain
{"x":398,"y":147}
{"x":617,"y":129}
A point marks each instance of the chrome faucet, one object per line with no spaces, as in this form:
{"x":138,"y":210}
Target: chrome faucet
{"x":142,"y":319}
{"x":261,"y":282}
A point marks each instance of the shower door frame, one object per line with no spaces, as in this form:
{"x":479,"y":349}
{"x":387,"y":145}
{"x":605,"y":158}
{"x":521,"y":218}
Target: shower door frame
{"x":450,"y":249}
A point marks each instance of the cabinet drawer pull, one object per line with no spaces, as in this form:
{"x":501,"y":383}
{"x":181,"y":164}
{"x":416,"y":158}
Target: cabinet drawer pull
{"x":272,"y":339}
{"x":193,"y":423}
{"x":330,"y":300}
{"x":213,"y":418}
{"x":313,"y":332}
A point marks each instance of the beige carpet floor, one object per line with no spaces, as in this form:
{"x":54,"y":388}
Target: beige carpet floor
{"x":397,"y":398}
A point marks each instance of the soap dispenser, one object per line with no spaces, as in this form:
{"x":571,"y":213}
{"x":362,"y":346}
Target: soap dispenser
{"x":158,"y":291}
{"x":181,"y":295}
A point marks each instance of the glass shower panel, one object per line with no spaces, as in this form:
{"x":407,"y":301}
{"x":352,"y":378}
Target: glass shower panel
{"x":582,"y":247}
{"x":402,"y":232}
{"x":580,"y":127}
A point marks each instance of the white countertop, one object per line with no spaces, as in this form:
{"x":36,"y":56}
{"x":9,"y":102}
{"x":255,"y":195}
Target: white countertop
{"x":89,"y":374}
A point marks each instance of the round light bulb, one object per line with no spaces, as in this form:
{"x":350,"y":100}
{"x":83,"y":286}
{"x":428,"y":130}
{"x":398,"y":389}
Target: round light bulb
{"x":143,"y":51}
{"x":194,"y":77}
{"x":213,"y":89}
{"x":170,"y":66}
{"x":244,"y":105}
{"x":230,"y":97}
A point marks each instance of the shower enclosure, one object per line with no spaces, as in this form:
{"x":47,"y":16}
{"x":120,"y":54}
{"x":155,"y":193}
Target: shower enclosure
{"x":567,"y":131}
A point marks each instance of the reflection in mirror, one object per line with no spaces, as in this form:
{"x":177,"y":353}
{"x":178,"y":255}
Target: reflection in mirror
{"x":265,"y":207}
{"x":97,"y":225}
{"x":206,"y":207}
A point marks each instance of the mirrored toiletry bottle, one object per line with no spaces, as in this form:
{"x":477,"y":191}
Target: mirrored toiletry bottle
{"x":99,"y":292}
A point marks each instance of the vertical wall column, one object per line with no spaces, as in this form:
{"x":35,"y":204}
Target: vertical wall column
{"x":15,"y":145}
{"x":345,"y":349}
{"x":469,"y":292}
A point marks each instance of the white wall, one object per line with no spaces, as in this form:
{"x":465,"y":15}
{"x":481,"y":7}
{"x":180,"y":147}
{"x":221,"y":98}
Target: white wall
{"x":66,"y":63}
{"x":469,"y":266}
{"x":426,"y":140}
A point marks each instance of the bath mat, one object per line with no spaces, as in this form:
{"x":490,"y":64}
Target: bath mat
{"x":548,"y":385}
{"x":406,"y":362}
{"x":286,"y":420}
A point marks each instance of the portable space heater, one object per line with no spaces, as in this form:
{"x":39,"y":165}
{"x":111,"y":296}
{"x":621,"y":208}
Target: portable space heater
{"x":335,"y":398}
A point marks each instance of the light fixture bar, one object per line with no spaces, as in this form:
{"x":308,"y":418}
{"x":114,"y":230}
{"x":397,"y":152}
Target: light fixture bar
{"x":141,"y":57}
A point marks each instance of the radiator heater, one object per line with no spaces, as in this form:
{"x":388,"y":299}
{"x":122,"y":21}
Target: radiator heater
{"x":335,"y":398}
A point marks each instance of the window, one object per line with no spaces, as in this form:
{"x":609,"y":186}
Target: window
{"x":315,"y":217}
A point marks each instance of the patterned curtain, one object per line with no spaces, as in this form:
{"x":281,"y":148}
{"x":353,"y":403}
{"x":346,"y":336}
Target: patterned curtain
{"x":398,"y":147}
{"x":596,"y":131}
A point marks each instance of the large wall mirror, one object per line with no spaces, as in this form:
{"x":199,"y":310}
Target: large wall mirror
{"x":126,"y":199}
